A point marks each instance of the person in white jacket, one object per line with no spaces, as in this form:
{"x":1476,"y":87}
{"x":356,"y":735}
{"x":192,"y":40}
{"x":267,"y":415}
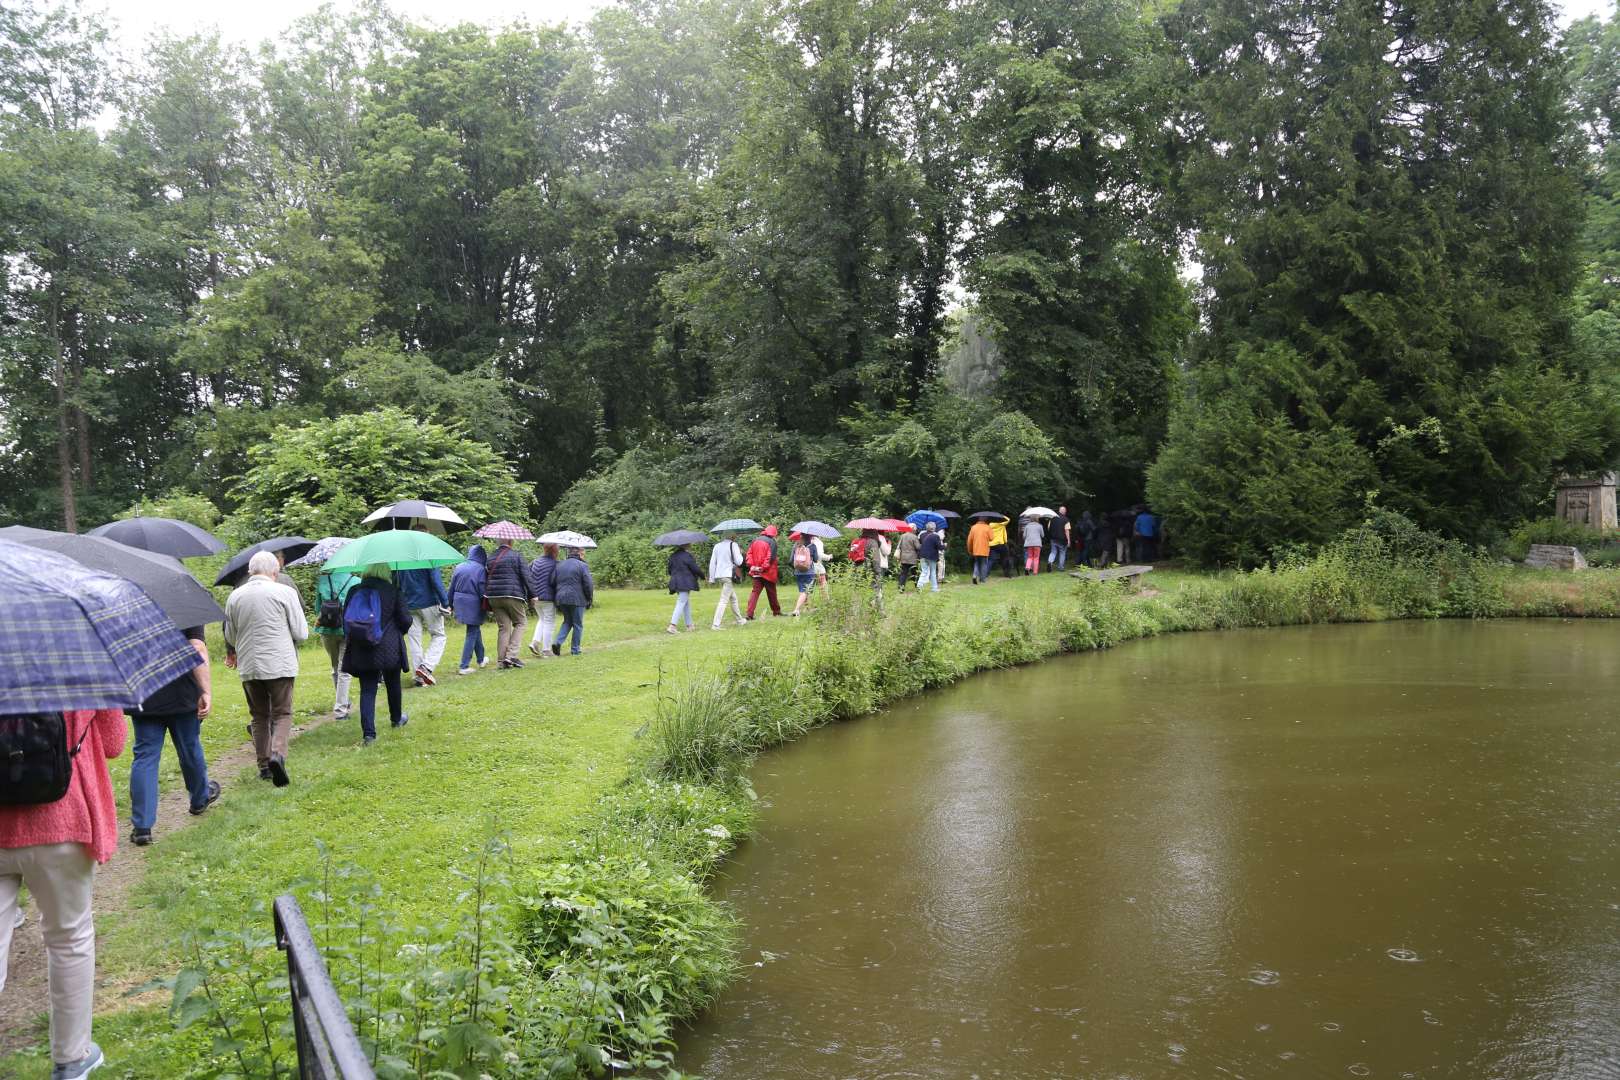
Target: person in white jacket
{"x":723,"y":562}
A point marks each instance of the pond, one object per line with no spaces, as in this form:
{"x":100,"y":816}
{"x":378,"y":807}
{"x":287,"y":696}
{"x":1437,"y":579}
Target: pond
{"x":1383,"y":850}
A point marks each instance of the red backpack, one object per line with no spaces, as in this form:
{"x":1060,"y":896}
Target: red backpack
{"x":857,"y":550}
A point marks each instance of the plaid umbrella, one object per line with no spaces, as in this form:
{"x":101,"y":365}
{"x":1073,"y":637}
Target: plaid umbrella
{"x":323,"y":550}
{"x":76,"y":638}
{"x":738,"y":525}
{"x":504,"y":530}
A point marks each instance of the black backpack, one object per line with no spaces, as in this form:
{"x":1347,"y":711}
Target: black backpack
{"x":36,"y":765}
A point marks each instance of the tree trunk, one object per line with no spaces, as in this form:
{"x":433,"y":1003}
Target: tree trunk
{"x":64,"y":437}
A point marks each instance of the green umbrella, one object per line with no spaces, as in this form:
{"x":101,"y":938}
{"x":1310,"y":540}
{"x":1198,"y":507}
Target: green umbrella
{"x":398,"y":549}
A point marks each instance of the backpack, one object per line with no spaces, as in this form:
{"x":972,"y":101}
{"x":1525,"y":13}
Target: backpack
{"x":36,"y":765}
{"x":857,"y":550}
{"x":802,"y":559}
{"x":362,"y":616}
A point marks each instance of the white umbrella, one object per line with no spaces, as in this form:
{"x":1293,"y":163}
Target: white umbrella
{"x":567,"y":538}
{"x":1038,"y":511}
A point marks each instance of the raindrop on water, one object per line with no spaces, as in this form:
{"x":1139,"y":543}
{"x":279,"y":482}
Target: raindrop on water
{"x":1405,"y":956}
{"x":1262,"y":977}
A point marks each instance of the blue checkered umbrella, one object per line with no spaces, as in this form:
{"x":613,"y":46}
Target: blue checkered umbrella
{"x":76,"y":638}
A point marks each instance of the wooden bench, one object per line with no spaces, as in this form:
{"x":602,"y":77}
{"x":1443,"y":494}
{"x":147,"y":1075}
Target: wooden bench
{"x":1132,"y":574}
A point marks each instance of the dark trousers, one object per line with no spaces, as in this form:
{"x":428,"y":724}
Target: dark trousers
{"x":184,"y":730}
{"x":570,"y":620}
{"x":270,"y":705}
{"x":906,"y":572}
{"x":368,"y":699}
{"x":769,"y":588}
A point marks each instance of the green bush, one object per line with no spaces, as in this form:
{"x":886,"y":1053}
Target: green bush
{"x":629,"y":560}
{"x":1551,"y":530}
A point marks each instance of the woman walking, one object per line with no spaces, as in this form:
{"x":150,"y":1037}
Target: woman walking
{"x":376,"y":653}
{"x":575,"y":592}
{"x":1034,"y":535}
{"x":53,"y":848}
{"x":507,"y":587}
{"x":467,"y":604}
{"x":542,"y":584}
{"x":725,"y":568}
{"x":809,"y":564}
{"x":684,"y":573}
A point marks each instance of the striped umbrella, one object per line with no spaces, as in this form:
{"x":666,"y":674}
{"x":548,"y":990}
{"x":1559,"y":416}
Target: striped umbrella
{"x":504,"y":530}
{"x":415,"y":513}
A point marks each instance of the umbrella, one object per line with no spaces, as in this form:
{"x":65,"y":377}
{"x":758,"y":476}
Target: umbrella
{"x":166,"y":536}
{"x":988,"y":514}
{"x":399,"y":549}
{"x":422,"y":513}
{"x":895,"y":525}
{"x":568,"y":538}
{"x":679,"y":537}
{"x":1038,"y":511}
{"x":504,"y":530}
{"x":923,"y":518}
{"x":288,"y":547}
{"x":952,"y":514}
{"x":880,"y":524}
{"x":323,"y":550}
{"x":816,"y":528}
{"x":738,"y":525}
{"x":77,"y":638}
{"x":162,"y":577}
{"x":21,"y":534}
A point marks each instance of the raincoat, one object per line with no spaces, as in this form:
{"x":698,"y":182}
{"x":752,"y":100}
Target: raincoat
{"x":467,"y":587}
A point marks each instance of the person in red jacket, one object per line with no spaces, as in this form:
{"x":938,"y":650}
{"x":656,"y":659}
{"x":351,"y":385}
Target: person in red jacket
{"x":53,"y":848}
{"x":761,"y":560}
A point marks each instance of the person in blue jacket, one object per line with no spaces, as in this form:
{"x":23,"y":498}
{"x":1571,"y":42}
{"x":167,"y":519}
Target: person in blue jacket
{"x":423,"y":593}
{"x":467,"y":604}
{"x":576,"y":591}
{"x":542,"y":579}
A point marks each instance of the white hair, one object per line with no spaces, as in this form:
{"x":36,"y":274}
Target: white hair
{"x":264,"y":564}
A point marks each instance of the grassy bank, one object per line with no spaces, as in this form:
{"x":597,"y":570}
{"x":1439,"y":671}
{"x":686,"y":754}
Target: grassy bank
{"x":513,"y":884}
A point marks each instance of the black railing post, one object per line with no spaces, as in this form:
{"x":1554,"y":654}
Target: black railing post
{"x":327,"y":1046}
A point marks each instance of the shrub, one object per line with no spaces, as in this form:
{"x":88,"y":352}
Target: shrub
{"x":1551,"y":530}
{"x":628,"y":560}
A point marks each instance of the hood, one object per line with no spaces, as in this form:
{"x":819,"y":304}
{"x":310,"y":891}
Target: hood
{"x":769,"y":530}
{"x":477,"y":554}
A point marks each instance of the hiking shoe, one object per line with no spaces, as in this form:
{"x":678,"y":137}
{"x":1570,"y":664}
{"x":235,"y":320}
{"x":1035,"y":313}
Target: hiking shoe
{"x":426,"y":675}
{"x":278,"y":771}
{"x":73,"y":1070}
{"x":213,"y":797}
{"x":556,"y":650}
{"x":514,"y":663}
{"x":367,"y":740}
{"x":404,"y":718}
{"x":340,"y":712}
{"x":140,"y":837}
{"x":534,"y":647}
{"x":264,"y":773}
{"x":466,"y":671}
{"x":671,"y":629}
{"x":416,"y":681}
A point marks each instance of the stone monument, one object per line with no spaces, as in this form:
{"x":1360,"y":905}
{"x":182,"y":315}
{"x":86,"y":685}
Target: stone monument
{"x":1588,"y":500}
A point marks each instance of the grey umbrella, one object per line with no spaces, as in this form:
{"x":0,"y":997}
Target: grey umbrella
{"x":164,"y":579}
{"x":165,"y":536}
{"x":288,"y":547}
{"x":21,"y":534}
{"x":679,"y":537}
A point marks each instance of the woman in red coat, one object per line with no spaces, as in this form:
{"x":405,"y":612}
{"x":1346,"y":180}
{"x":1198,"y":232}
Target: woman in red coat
{"x":761,"y":560}
{"x":53,"y":848}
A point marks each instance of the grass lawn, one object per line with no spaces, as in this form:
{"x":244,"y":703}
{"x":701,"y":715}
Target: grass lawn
{"x":527,"y":752}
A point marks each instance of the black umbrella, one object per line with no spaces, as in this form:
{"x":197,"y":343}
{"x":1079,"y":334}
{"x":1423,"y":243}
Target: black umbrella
{"x":165,"y":536}
{"x":164,"y":579}
{"x":988,"y":514}
{"x":679,"y":537}
{"x":948,"y":514}
{"x":288,"y":547}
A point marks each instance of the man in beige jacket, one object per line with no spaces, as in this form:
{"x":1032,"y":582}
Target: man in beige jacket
{"x":264,"y":622}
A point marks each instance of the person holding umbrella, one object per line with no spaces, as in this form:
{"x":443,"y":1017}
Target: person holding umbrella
{"x":576,"y":591}
{"x":999,"y":552}
{"x":931,"y":547}
{"x":1034,"y":539}
{"x":331,"y":593}
{"x":376,"y":618}
{"x":264,"y":623}
{"x":726,"y":569}
{"x":543,"y":586}
{"x":978,"y":546}
{"x":684,"y":573}
{"x":762,"y":568}
{"x":467,"y":603}
{"x":506,"y":586}
{"x":908,"y":552}
{"x":425,"y":596}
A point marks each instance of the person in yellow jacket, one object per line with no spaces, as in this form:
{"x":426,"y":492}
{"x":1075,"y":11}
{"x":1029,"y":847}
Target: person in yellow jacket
{"x":998,"y":547}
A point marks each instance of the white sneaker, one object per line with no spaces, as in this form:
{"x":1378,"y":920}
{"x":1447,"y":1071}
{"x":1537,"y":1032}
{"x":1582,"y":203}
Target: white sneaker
{"x":484,"y":662}
{"x":466,"y":671}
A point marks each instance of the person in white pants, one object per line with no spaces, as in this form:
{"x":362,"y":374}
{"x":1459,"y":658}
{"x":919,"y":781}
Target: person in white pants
{"x":542,"y":583}
{"x":723,"y":561}
{"x":53,"y":848}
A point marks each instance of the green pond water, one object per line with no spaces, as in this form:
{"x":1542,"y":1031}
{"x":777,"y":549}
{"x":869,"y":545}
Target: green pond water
{"x":1387,"y":850}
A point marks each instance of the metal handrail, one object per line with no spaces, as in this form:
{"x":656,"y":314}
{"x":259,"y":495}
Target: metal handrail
{"x":328,"y":1048}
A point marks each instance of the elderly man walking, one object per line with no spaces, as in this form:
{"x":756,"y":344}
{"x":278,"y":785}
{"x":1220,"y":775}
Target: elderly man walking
{"x":264,"y":622}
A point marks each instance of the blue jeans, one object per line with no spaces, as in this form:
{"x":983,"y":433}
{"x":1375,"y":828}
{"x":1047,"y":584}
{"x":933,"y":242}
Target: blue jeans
{"x":570,"y":617}
{"x":473,"y":644}
{"x":682,"y":612}
{"x":929,"y":574}
{"x":368,"y":698}
{"x":185,"y":730}
{"x":1058,"y":556}
{"x":981,"y":568}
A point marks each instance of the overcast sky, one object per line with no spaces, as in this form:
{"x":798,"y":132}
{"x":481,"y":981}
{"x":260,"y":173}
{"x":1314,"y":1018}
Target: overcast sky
{"x":251,"y":23}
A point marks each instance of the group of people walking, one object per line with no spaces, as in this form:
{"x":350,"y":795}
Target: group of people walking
{"x":1115,"y":537}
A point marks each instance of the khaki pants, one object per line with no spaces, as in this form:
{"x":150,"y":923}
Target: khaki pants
{"x":511,"y":619}
{"x":335,"y":644}
{"x":728,"y":595}
{"x":270,"y":704}
{"x":61,"y":878}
